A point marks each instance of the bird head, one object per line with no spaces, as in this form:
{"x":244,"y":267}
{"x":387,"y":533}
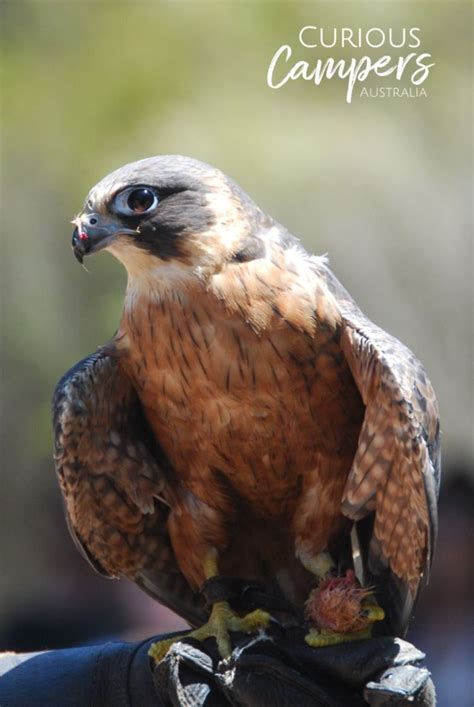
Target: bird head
{"x":167,"y":211}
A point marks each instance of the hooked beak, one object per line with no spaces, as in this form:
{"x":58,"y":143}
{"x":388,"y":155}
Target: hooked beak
{"x":93,"y":233}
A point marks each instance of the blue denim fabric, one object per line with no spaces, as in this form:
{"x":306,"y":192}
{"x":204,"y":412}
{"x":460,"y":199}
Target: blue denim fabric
{"x":115,"y":674}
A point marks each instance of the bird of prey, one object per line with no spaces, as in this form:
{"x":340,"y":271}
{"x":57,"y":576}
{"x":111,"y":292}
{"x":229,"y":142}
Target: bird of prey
{"x":246,"y":420}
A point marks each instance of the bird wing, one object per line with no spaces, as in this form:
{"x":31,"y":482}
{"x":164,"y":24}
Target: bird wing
{"x":112,"y":475}
{"x":394,"y":480}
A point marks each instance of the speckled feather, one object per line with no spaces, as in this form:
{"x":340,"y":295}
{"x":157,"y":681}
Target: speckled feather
{"x":396,"y":471}
{"x":108,"y":470}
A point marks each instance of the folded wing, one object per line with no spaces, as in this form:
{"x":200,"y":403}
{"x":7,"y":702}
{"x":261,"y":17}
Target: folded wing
{"x":112,"y":474}
{"x":393,"y":483}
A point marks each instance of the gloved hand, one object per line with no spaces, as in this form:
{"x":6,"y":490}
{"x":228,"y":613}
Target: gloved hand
{"x":282,"y":671}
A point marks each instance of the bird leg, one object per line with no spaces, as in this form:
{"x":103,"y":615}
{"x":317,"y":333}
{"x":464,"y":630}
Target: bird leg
{"x":222,"y":620}
{"x":341,"y":610}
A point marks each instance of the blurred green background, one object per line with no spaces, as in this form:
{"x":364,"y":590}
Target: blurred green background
{"x":381,"y":185}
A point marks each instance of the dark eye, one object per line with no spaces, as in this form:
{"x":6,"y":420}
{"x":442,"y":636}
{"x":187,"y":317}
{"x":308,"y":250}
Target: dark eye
{"x":136,"y":201}
{"x":140,"y":200}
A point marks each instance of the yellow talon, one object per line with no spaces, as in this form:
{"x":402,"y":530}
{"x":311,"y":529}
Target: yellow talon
{"x":371,"y":612}
{"x":221,"y":621}
{"x":321,"y":637}
{"x":158,"y":650}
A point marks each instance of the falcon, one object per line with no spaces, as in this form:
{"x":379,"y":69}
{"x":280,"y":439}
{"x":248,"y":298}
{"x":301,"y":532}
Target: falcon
{"x":246,"y":420}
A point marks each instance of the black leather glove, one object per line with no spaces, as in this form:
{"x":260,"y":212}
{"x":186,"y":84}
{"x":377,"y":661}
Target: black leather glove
{"x":282,"y":671}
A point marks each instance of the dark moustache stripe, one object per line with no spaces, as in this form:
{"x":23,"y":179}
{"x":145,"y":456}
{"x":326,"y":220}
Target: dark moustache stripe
{"x":177,"y":217}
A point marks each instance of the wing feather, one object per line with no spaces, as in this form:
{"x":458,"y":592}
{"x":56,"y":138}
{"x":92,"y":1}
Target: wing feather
{"x":395,"y":472}
{"x":113,"y":477}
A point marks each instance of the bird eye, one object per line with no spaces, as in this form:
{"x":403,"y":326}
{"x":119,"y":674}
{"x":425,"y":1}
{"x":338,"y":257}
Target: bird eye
{"x":136,"y":201}
{"x":140,"y":200}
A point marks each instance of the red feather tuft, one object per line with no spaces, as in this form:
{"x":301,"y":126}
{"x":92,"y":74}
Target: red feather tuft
{"x":336,"y":604}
